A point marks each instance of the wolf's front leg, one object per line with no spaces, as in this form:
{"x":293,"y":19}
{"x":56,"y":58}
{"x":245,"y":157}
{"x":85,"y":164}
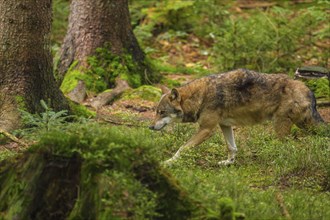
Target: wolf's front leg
{"x":199,"y":137}
{"x":231,"y":146}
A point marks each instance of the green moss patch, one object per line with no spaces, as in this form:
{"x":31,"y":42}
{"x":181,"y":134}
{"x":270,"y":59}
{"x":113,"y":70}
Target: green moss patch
{"x":80,"y":110}
{"x":91,"y":172}
{"x":70,"y":81}
{"x":145,"y":92}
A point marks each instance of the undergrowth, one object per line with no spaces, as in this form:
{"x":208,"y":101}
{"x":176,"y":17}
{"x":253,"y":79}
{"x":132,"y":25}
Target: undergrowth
{"x":296,"y":169}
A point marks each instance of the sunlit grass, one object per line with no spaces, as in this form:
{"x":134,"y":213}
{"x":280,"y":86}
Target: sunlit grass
{"x":297,"y":168}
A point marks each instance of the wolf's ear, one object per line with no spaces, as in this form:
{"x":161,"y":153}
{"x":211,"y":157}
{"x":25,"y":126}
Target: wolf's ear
{"x":175,"y":95}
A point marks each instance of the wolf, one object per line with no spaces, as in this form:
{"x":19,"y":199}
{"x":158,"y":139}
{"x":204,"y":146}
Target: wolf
{"x":237,"y":98}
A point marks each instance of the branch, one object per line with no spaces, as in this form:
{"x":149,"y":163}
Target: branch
{"x":111,"y":121}
{"x":13,"y":138}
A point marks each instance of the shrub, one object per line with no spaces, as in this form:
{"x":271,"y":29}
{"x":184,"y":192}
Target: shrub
{"x":267,"y":41}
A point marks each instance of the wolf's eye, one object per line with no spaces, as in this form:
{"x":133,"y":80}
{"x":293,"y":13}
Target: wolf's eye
{"x":161,"y":112}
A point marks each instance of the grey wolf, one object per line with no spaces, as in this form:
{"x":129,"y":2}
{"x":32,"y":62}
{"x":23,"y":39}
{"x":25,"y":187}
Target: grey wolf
{"x":237,"y":98}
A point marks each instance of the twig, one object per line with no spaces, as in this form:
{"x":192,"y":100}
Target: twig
{"x":13,"y":138}
{"x":121,"y":123}
{"x":280,"y":200}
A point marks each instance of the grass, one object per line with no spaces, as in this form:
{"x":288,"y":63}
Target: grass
{"x":297,"y":169}
{"x":5,"y":153}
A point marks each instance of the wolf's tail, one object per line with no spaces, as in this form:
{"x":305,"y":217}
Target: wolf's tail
{"x":315,"y":114}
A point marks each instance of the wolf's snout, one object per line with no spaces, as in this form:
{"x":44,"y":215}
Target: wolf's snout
{"x":152,"y":127}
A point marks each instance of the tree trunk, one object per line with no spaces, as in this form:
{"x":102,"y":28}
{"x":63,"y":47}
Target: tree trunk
{"x":25,"y":60}
{"x":92,"y":24}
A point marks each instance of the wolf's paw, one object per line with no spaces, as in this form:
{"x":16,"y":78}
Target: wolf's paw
{"x":226,"y":162}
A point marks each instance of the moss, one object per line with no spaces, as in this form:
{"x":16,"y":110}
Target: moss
{"x":105,"y":67}
{"x":27,"y":183}
{"x":70,"y":81}
{"x":81,"y":110}
{"x":117,"y":178}
{"x":171,"y":83}
{"x":226,"y":209}
{"x":20,"y":101}
{"x":145,"y":92}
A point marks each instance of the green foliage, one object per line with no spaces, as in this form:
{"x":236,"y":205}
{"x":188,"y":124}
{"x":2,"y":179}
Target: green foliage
{"x":143,"y":92}
{"x":105,"y":67}
{"x":61,"y":10}
{"x":81,"y":110}
{"x":298,"y":167}
{"x":267,"y":41}
{"x":162,"y":16}
{"x":120,"y":176}
{"x":226,"y":209}
{"x":70,"y":81}
{"x":114,"y":170}
{"x":5,"y":154}
{"x":211,"y":14}
{"x":43,"y":121}
{"x":320,"y":87}
{"x":274,"y":40}
{"x":20,"y":102}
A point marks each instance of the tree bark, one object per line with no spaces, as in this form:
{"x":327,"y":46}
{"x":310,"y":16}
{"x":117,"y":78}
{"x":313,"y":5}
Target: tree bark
{"x":25,"y":60}
{"x":92,"y":24}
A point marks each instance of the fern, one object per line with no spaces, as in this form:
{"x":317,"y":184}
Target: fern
{"x":43,"y":121}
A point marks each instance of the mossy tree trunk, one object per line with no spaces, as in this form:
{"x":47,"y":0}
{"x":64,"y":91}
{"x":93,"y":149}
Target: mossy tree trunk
{"x":25,"y":60}
{"x":93,"y":24}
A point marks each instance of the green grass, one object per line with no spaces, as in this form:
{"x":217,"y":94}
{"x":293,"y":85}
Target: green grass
{"x":296,"y":168}
{"x":5,"y":154}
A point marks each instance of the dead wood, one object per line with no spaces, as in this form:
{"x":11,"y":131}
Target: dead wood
{"x":13,"y":138}
{"x":107,"y":97}
{"x":78,"y":94}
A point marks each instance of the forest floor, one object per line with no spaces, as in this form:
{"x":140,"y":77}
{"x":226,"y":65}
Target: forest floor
{"x":188,"y":53}
{"x":271,"y":176}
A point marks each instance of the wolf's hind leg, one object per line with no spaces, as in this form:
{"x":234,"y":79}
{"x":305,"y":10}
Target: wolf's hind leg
{"x":231,"y":146}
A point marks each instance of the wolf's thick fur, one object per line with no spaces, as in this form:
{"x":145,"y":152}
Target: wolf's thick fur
{"x":239,"y":97}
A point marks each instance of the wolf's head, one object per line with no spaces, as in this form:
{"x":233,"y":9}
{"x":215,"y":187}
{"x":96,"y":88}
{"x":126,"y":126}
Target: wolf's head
{"x":168,"y":110}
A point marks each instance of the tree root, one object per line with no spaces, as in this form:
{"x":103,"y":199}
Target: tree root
{"x":13,"y":138}
{"x":108,"y":96}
